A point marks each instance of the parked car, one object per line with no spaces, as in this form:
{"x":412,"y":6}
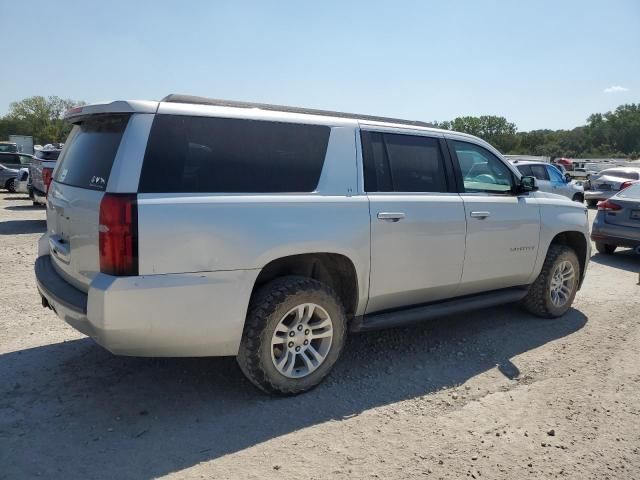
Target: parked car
{"x":41,"y":173}
{"x":8,"y":178}
{"x":550,"y":179}
{"x":610,"y":181}
{"x":8,"y":147}
{"x":15,"y":160}
{"x":22,"y":181}
{"x":196,"y":227}
{"x":617,"y":223}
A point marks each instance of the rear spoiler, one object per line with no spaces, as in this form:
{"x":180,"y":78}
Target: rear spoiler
{"x":120,"y":106}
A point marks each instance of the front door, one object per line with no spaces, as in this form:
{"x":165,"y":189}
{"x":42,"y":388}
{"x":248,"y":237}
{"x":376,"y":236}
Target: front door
{"x":417,"y":220}
{"x":503,"y":228}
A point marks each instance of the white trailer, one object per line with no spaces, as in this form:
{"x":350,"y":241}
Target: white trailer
{"x":23,"y":142}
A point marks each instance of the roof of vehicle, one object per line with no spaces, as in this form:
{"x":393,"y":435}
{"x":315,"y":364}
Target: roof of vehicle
{"x":179,"y":104}
{"x":190,"y":99}
{"x":622,"y":169}
{"x":529,"y":162}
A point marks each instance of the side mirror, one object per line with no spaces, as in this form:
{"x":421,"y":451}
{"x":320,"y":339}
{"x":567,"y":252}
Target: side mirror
{"x":528,"y":184}
{"x":567,"y":178}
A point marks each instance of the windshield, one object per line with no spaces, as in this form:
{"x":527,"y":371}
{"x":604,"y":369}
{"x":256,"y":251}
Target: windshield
{"x":90,"y":152}
{"x":631,"y":192}
{"x":8,"y":147}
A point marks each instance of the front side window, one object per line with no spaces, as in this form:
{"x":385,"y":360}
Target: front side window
{"x":540,"y":172}
{"x":481,"y":170}
{"x":402,"y":163}
{"x":226,"y":155}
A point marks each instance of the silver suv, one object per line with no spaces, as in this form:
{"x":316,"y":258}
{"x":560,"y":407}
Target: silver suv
{"x":551,"y":180}
{"x":196,"y":227}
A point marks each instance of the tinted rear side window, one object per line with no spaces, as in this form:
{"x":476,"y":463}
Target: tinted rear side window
{"x":223,"y":155}
{"x":91,"y":150}
{"x":402,"y":163}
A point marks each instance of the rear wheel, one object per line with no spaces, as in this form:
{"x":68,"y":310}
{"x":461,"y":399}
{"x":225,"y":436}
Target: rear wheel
{"x":555,"y":288}
{"x":605,"y":248}
{"x":294,"y":333}
{"x":11,"y":185}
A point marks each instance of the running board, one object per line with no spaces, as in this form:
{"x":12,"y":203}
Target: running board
{"x":398,"y":318}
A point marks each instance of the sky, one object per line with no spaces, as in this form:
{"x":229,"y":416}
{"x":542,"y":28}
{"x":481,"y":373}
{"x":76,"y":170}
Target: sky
{"x":541,"y":64}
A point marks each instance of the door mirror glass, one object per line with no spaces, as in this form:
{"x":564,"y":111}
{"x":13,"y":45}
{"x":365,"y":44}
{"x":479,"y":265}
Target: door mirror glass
{"x":528,"y":184}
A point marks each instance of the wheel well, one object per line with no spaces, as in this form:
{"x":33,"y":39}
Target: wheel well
{"x":577,"y":242}
{"x":332,"y":269}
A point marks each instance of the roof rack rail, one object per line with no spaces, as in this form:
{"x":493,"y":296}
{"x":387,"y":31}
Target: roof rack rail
{"x":177,"y":98}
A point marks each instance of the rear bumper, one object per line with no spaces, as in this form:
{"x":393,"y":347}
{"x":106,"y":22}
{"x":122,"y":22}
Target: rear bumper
{"x":619,"y":235}
{"x":174,"y":315}
{"x":598,"y":194}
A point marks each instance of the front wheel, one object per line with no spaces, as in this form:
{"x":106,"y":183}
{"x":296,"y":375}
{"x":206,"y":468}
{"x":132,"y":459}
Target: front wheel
{"x":592,"y":203}
{"x":578,"y":198}
{"x":552,"y":294}
{"x":294,"y":333}
{"x":11,"y":185}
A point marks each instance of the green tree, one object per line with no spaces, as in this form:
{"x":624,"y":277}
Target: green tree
{"x":40,"y":117}
{"x":495,"y":130}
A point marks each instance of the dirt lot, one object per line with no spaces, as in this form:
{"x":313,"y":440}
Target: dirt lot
{"x":493,"y":394}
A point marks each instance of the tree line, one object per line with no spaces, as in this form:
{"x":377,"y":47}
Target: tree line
{"x":613,"y":134}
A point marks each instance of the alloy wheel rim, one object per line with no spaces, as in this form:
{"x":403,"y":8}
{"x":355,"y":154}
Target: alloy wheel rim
{"x":562,"y":283}
{"x":301,"y":340}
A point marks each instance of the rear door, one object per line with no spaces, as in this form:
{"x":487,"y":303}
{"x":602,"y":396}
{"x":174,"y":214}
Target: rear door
{"x":503,"y":228}
{"x":80,"y":180}
{"x":417,"y":219}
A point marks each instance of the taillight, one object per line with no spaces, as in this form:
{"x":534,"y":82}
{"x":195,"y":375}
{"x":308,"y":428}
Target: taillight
{"x":118,"y":234}
{"x":608,"y":206}
{"x":626,"y":184}
{"x":47,"y":176}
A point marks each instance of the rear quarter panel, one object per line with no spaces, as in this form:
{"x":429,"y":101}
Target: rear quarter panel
{"x":217,"y":232}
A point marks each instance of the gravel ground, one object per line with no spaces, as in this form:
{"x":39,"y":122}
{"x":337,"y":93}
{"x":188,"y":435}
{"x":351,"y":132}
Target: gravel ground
{"x":492,"y":394}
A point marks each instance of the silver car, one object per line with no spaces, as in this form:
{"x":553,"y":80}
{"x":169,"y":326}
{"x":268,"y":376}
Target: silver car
{"x":617,"y":223}
{"x":8,"y":178}
{"x":609,"y":182}
{"x":551,"y":180}
{"x":199,"y":227}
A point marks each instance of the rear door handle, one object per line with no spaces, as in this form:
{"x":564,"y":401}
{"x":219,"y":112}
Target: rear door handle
{"x":390,"y":216}
{"x":480,"y":214}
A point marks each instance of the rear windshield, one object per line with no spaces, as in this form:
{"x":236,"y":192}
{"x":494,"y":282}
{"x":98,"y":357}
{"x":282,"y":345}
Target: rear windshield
{"x":48,"y":154}
{"x":631,"y":192}
{"x":621,"y":174}
{"x":222,"y":155}
{"x":90,"y":151}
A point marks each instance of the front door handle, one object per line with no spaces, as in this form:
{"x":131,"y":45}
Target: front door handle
{"x":480,"y":214}
{"x":390,"y":216}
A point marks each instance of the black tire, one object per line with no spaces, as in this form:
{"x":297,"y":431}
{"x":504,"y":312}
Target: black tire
{"x":267,"y":307}
{"x":578,"y":198}
{"x":11,"y":185}
{"x":592,"y":203}
{"x":538,"y":300}
{"x":605,"y":248}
